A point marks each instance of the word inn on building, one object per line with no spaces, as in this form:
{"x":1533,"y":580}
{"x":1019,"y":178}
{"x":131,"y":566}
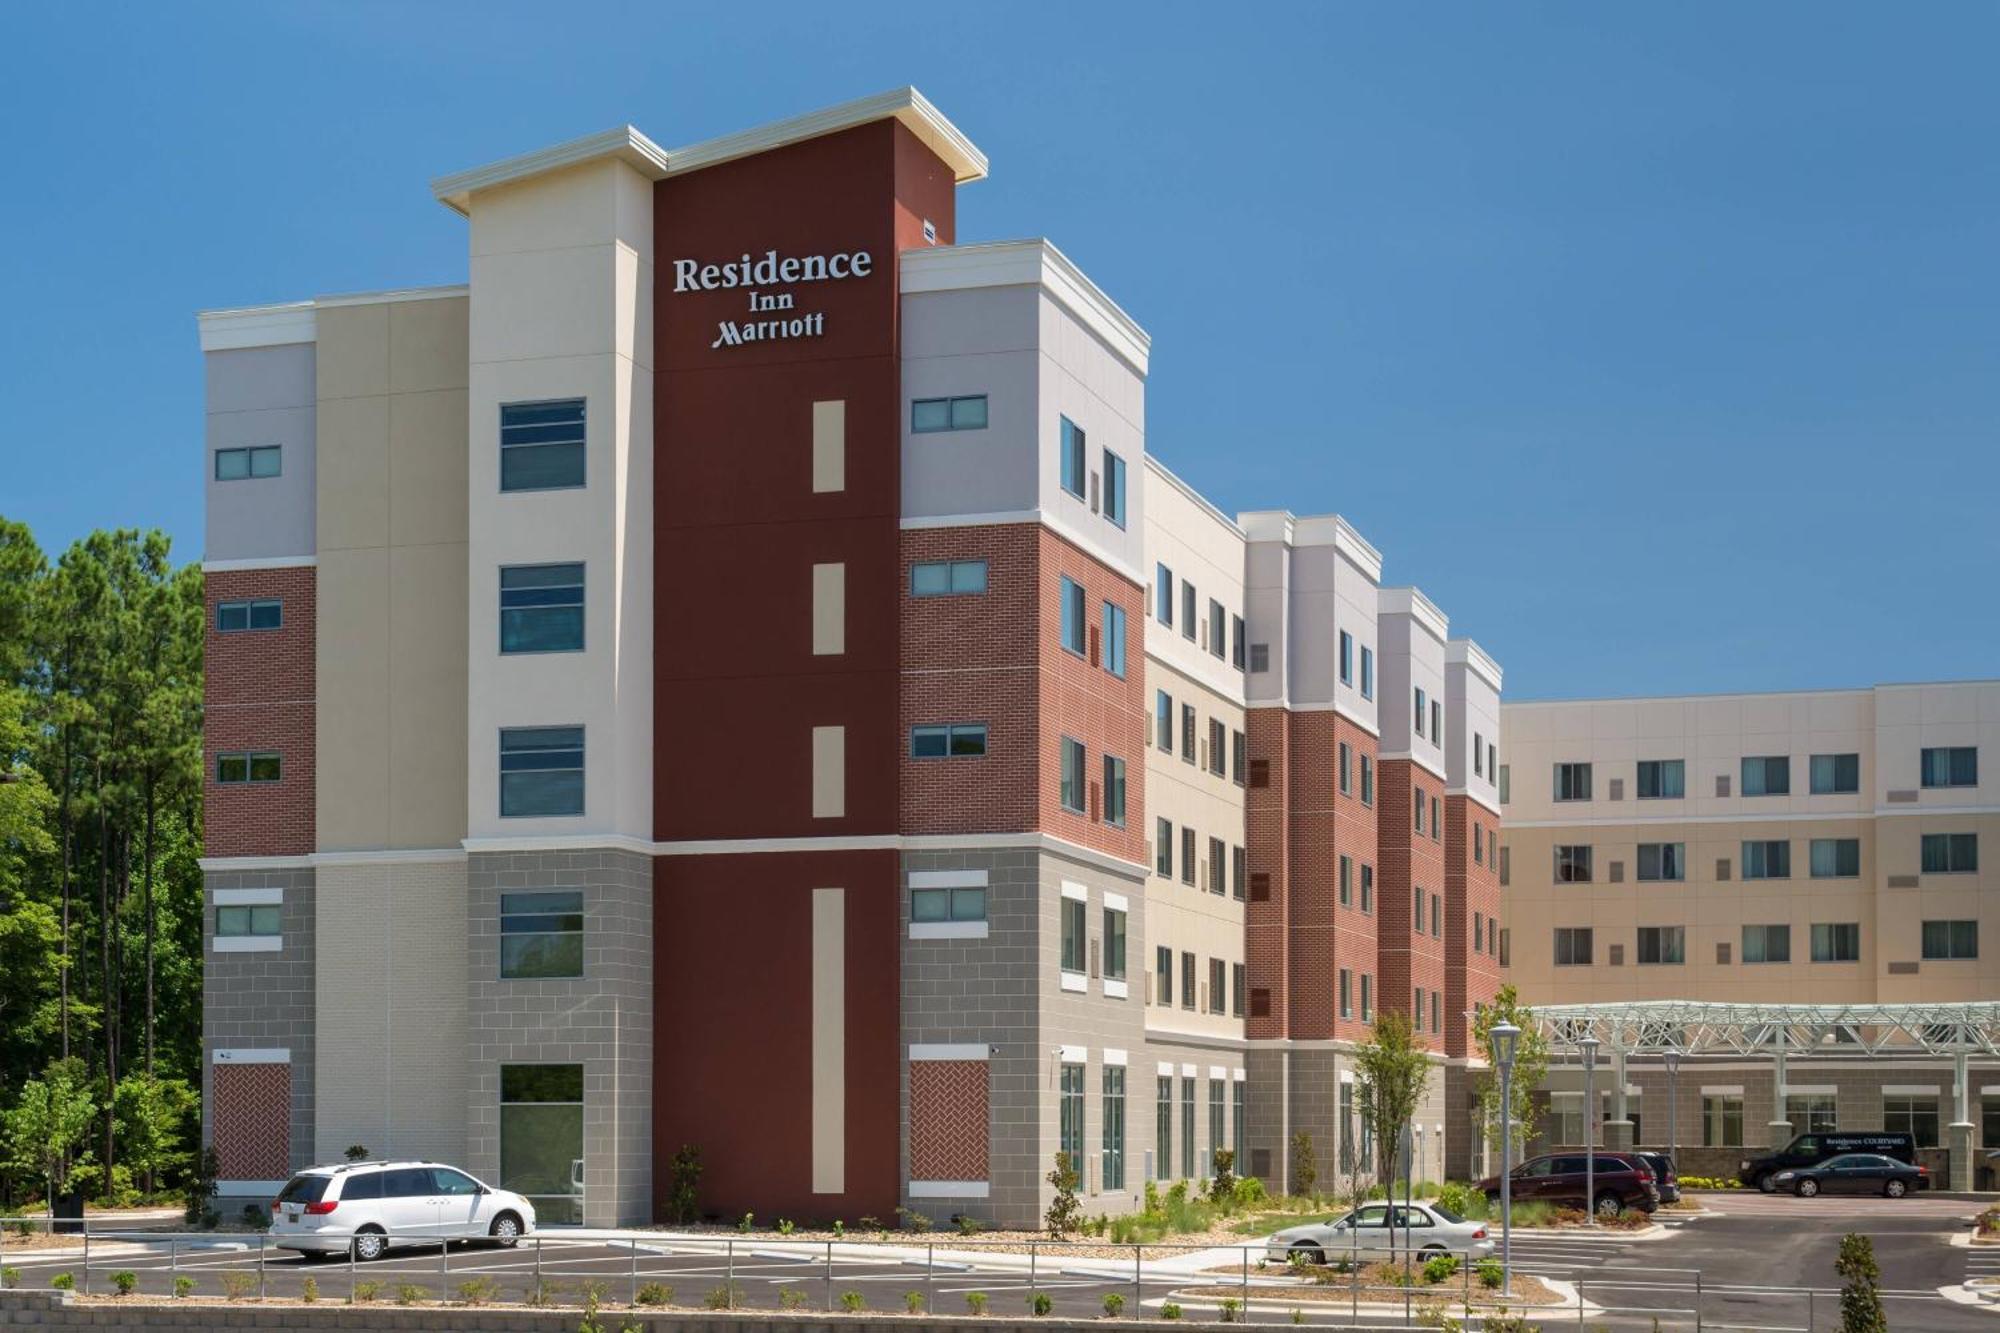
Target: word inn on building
{"x":731,"y":676}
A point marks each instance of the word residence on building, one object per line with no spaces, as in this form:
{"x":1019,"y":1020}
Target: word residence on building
{"x":730,"y":676}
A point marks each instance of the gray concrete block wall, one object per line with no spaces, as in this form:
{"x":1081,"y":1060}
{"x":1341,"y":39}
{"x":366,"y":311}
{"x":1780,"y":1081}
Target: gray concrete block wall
{"x":263,"y":1000}
{"x":603,"y":1020}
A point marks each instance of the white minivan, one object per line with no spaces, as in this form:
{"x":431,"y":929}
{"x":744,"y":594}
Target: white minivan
{"x":374,"y":1205}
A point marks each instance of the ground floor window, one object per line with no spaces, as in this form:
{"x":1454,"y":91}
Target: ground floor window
{"x":1810,"y":1113}
{"x":541,"y":1139}
{"x":1566,"y":1120}
{"x":1722,"y":1121}
{"x":1218,"y":1123}
{"x":1242,"y":1162}
{"x":1072,"y":1115}
{"x":1163,"y":1128}
{"x":1346,"y":1128}
{"x":1915,"y":1116}
{"x":1187,"y":1129}
{"x":1114,"y":1127}
{"x":1989,"y":1122}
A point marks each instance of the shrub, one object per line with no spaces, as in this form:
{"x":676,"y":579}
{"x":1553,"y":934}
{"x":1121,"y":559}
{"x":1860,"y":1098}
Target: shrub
{"x":478,"y":1290}
{"x":1170,"y":1310}
{"x":725,"y":1297}
{"x":356,"y":1152}
{"x":1491,"y":1274}
{"x":123,"y":1281}
{"x":1455,"y":1196}
{"x":1298,"y":1315}
{"x":409,"y":1293}
{"x":1305,"y":1170}
{"x":785,"y":1226}
{"x":685,"y":1174}
{"x":1249,"y":1190}
{"x":1229,"y":1308}
{"x":1222,"y":1186}
{"x":1040,"y":1303}
{"x":1114,"y":1304}
{"x":1860,"y":1286}
{"x":594,"y":1290}
{"x":237,"y":1285}
{"x":749,"y":1221}
{"x":656,"y":1293}
{"x":967,"y":1226}
{"x":183,"y":1287}
{"x":839,"y":1229}
{"x":1988,"y":1222}
{"x":543,"y":1293}
{"x":791,"y":1298}
{"x":912,"y":1220}
{"x":913,"y":1301}
{"x":975,"y":1302}
{"x":309,"y":1290}
{"x":1440,"y":1268}
{"x":10,"y":1278}
{"x":255,"y":1217}
{"x":364,"y":1292}
{"x":1063,"y":1216}
{"x":852,"y":1302}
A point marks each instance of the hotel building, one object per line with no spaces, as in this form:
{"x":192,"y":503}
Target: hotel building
{"x":1817,"y":848}
{"x":730,"y":676}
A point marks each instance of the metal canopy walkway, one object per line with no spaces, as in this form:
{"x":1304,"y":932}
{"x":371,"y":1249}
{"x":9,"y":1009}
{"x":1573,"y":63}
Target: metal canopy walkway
{"x":1695,"y":1028}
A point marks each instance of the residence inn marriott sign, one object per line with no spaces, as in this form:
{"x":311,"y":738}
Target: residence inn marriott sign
{"x":755,"y":278}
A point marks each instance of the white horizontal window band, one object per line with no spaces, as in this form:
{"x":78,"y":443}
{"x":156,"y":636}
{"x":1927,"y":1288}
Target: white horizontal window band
{"x":1076,"y":983}
{"x":949,"y":1189}
{"x":947,"y":930}
{"x":1073,"y":1055}
{"x":246,"y":1055}
{"x":1187,"y":1071}
{"x":947,"y":879}
{"x":1909,"y":1089}
{"x":247,"y":943}
{"x":1809,"y":1089}
{"x":248,"y":897}
{"x":1074,"y":891}
{"x":1116,"y":989}
{"x":1116,"y":902}
{"x":963,"y":1050}
{"x":1113,"y":1056}
{"x":261,"y":1188}
{"x":1165,"y":1069}
{"x":1218,"y":1073}
{"x":1237,"y":1075}
{"x":1722,"y":1089}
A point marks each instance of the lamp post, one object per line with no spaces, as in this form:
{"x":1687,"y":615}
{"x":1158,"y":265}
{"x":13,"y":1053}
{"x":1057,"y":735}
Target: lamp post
{"x":1589,"y":1048}
{"x":1672,"y":1057}
{"x":1502,"y":1037}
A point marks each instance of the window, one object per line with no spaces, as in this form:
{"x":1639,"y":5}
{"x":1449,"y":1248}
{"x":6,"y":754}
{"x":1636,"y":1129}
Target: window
{"x":1505,"y":795}
{"x":541,"y":445}
{"x":1163,"y":848}
{"x":1114,"y":1127}
{"x":1239,"y":988}
{"x":1163,"y":713}
{"x":1437,"y":724}
{"x":1811,"y":1113}
{"x":967,"y":903}
{"x":1217,"y":1129}
{"x":947,"y":578}
{"x":1950,"y":853}
{"x":1478,"y":846}
{"x":1346,"y":658}
{"x":1663,"y":860}
{"x":1346,"y":993}
{"x":1767,"y":860}
{"x":541,"y":608}
{"x":1437,"y":1024}
{"x":935,"y":414}
{"x":1506,"y":942}
{"x":1163,"y":970}
{"x":952,"y":740}
{"x":1239,"y":757}
{"x":1187,"y":855}
{"x":1367,"y":672}
{"x":1836,"y":858}
{"x":1114,"y":791}
{"x":1662,"y":779}
{"x":1417,"y":811}
{"x":1187,"y":732}
{"x":1417,"y":910}
{"x":1114,"y":639}
{"x":1114,"y":488}
{"x":1236,"y":1120}
{"x":1951,"y":941}
{"x":1346,"y":1128}
{"x":1114,"y":944}
{"x":1347,"y":881}
{"x":1187,"y":1128}
{"x":1367,"y":780}
{"x":1836,"y":942}
{"x":1188,"y":981}
{"x":1071,"y":1114}
{"x":1951,"y":766}
{"x":265,"y":460}
{"x":234,"y":617}
{"x":1437,"y":919}
{"x":1367,"y":888}
{"x":1915,"y":1116}
{"x":1572,"y":946}
{"x":1073,"y":465}
{"x":1163,"y":592}
{"x":1722,"y":1121}
{"x":1421,"y":710}
{"x":1767,"y":944}
{"x":1218,"y":876}
{"x":541,"y":934}
{"x":1367,"y":998}
{"x":1236,"y":644}
{"x":1572,"y":782}
{"x":541,"y":771}
{"x":1662,"y":945}
{"x":239,"y":768}
{"x":236,"y":922}
{"x":1478,"y":768}
{"x":1260,"y":658}
{"x":1239,"y":873}
{"x":1479,"y":932}
{"x":1072,"y":775}
{"x":1218,"y":986}
{"x":1832,"y":774}
{"x":541,"y":1139}
{"x":1492,"y":759}
{"x":1163,"y":1126}
{"x":1572,"y":863}
{"x":1345,"y":757}
{"x":1437,"y":822}
{"x":1071,"y":598}
{"x":1190,"y":599}
{"x":1767,"y":775}
{"x":1218,"y":752}
{"x":1218,"y":630}
{"x":1074,"y":914}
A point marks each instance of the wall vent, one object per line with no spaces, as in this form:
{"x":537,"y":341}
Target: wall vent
{"x":1902,"y":969}
{"x":1260,"y":1002}
{"x":1902,"y":881}
{"x":1260,"y":1161}
{"x":1093,"y":960}
{"x":1721,"y":869}
{"x":1260,"y":887}
{"x":1617,"y":955}
{"x":1902,"y":798}
{"x":1260,"y":658}
{"x":1722,"y":953}
{"x":1260,"y":772}
{"x":1722,"y":784}
{"x":1617,"y":789}
{"x":1617,"y":872}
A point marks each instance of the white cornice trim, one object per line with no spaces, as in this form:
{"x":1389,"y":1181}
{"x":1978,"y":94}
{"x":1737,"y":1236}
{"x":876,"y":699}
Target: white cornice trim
{"x":1427,"y":764}
{"x":390,"y":856}
{"x":629,"y":146}
{"x":1411,"y":602}
{"x":1281,"y":525}
{"x":563,"y":842}
{"x":257,"y":326}
{"x":1773,"y":817}
{"x":1294,"y":706}
{"x":868,"y":842}
{"x":259,"y":562}
{"x":1195,"y":497}
{"x":253,"y":864}
{"x":393,"y":296}
{"x":832,"y":843}
{"x":1029,"y":263}
{"x":1464,"y":652}
{"x":932,"y":522}
{"x":1490,"y":806}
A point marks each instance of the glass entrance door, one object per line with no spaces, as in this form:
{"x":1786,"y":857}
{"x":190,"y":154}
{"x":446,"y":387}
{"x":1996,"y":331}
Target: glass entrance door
{"x":541,"y":1139}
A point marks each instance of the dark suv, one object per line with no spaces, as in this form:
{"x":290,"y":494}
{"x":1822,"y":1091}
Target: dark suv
{"x":1664,"y":1176}
{"x":1622,"y":1180}
{"x":1811,"y":1149}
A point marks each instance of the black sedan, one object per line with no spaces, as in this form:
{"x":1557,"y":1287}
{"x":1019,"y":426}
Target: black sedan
{"x":1854,"y":1173}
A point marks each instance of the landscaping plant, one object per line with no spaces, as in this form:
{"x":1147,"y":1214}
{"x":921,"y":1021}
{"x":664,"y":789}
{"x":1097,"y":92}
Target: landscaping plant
{"x":975,"y":1302}
{"x":913,"y":1301}
{"x":1040,"y":1303}
{"x":1860,"y":1286}
{"x":183,"y":1287}
{"x":1063,"y":1216}
{"x":1114,"y":1304}
{"x":852,"y":1302}
{"x":658,"y":1293}
{"x":364,"y":1292}
{"x":309,"y":1290}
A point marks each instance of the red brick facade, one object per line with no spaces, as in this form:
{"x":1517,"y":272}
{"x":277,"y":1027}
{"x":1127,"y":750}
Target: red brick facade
{"x":258,"y":695}
{"x":1413,"y":945}
{"x":1472,"y":894}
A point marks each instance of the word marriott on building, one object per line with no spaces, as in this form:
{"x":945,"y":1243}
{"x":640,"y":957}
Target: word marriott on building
{"x":731,"y":676}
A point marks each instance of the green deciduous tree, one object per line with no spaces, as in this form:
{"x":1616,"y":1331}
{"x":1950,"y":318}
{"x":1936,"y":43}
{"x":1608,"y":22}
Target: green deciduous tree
{"x":1860,"y":1287}
{"x":1531,"y":1062}
{"x":1391,"y":1069}
{"x":46,"y":1130}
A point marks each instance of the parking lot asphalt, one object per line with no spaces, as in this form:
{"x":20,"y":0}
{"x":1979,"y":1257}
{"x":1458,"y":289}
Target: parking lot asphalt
{"x":1757,"y":1258}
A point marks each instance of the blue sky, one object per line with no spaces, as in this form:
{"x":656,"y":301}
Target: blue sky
{"x":1659,"y":344}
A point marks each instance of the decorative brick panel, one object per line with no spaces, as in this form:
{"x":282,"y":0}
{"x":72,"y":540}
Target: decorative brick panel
{"x":948,"y":1120}
{"x":258,"y":693}
{"x":253,"y":1121}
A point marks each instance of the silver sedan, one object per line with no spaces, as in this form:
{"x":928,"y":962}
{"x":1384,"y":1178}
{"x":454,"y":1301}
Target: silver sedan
{"x":1376,"y":1229}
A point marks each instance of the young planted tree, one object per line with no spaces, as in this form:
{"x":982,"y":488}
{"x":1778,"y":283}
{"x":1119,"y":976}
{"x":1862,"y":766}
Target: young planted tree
{"x":1391,"y":1069}
{"x":49,"y":1125}
{"x":1860,"y":1287}
{"x":1531,"y":1062}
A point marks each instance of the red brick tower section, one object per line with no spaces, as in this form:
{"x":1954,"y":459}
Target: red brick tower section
{"x":1413,"y":945}
{"x":740,"y":523}
{"x":1472,"y":895}
{"x":998,"y":660}
{"x":257,"y":696}
{"x":1299,"y":937}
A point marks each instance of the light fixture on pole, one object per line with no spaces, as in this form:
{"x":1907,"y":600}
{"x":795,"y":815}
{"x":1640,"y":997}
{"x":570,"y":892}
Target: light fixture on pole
{"x":1589,"y":1048}
{"x":1672,"y":1057}
{"x":1502,"y":1036}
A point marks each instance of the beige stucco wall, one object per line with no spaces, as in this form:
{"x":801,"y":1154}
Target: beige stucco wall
{"x":391,"y":512}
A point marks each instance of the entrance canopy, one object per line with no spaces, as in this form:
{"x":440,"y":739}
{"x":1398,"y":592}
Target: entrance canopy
{"x":1694,"y":1027}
